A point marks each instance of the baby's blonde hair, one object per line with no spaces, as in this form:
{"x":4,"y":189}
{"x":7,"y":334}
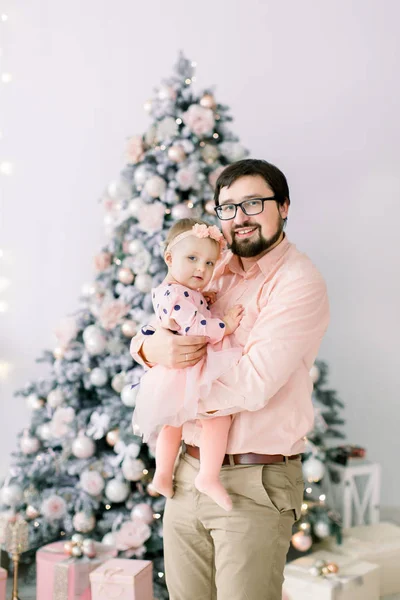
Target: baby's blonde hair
{"x":182,"y":226}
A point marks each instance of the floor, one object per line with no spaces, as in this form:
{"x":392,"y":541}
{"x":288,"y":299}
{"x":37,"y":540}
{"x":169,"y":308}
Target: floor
{"x":27,"y":591}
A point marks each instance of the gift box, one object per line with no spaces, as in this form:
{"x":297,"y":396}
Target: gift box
{"x":64,"y":577}
{"x":3,"y":583}
{"x":122,"y":578}
{"x":379,"y":544}
{"x":355,"y":580}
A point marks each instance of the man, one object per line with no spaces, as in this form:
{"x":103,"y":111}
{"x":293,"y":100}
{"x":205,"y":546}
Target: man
{"x":241,"y":555}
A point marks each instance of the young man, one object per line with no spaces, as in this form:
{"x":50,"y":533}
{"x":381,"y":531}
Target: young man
{"x":241,"y":555}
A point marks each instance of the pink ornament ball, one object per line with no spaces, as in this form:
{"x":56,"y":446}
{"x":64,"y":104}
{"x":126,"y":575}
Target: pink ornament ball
{"x":181,"y":211}
{"x":125,"y":276}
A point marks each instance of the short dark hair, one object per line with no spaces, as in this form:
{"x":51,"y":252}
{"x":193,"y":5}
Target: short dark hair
{"x":252,"y":166}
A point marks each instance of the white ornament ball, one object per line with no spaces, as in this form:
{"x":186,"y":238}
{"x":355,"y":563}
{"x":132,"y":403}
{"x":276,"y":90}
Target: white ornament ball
{"x":144,"y":282}
{"x":148,"y":105}
{"x":313,"y":469}
{"x":143,"y":512}
{"x":98,"y":377}
{"x":83,"y":447}
{"x":314,"y":373}
{"x":44,"y":431}
{"x":55,"y":398}
{"x":11,"y":494}
{"x":77,"y":538}
{"x":301,"y":541}
{"x":132,"y":468}
{"x":322,"y":529}
{"x":58,"y":353}
{"x":76,"y":551}
{"x":125,"y":276}
{"x":34,"y":402}
{"x":88,"y":289}
{"x":140,"y":175}
{"x":83,"y":522}
{"x":117,"y":491}
{"x":155,"y":186}
{"x":181,"y":211}
{"x":29,"y":444}
{"x":108,"y":539}
{"x":118,"y":382}
{"x":128,"y":395}
{"x":95,"y":342}
{"x":176,"y":154}
{"x":92,"y":482}
{"x":112,"y":437}
{"x":129,"y":328}
{"x":135,"y":207}
{"x":135,"y":246}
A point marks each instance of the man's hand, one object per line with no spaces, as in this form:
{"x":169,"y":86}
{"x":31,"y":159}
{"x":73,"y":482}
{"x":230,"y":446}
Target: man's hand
{"x":173,"y":351}
{"x":210,"y":297}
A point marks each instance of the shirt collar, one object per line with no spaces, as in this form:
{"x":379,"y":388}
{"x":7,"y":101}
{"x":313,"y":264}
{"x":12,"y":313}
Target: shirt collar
{"x":264,"y":264}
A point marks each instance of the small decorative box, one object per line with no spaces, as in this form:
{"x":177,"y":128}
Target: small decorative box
{"x":123,"y":578}
{"x":379,"y":544}
{"x":354,"y":580}
{"x":64,"y":577}
{"x":3,"y":583}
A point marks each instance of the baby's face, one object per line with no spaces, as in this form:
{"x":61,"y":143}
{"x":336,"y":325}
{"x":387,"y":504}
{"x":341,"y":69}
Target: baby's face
{"x":191,"y":262}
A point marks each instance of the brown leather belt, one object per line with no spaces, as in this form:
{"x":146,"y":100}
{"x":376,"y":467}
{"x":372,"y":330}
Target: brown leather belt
{"x":245,"y":459}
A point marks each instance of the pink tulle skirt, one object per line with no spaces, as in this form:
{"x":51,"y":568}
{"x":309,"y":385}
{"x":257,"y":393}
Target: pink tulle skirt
{"x":171,"y":396}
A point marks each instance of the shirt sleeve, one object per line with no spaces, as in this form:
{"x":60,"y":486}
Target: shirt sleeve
{"x":290,"y":324}
{"x":180,"y":306}
{"x":138,"y":340}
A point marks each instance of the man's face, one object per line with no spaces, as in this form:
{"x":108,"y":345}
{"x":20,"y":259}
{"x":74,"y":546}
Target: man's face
{"x":251,"y":236}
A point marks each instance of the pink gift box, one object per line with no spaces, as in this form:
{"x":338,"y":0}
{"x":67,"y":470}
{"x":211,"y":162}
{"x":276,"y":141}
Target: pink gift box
{"x":123,"y":579}
{"x":3,"y":583}
{"x":63,"y":577}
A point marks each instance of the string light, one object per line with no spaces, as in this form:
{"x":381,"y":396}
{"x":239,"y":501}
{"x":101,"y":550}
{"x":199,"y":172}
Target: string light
{"x":107,"y":507}
{"x":156,"y":516}
{"x":178,"y":121}
{"x":145,"y":472}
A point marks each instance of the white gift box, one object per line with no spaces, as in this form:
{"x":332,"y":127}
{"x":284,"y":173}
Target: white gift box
{"x":378,"y":544}
{"x":355,"y":580}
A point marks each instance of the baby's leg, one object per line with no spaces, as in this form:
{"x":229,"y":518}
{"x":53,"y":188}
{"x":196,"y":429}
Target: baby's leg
{"x":167,"y":448}
{"x":213,"y":442}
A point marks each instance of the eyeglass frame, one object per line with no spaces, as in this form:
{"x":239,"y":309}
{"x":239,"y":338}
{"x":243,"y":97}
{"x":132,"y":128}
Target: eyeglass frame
{"x":240,"y":204}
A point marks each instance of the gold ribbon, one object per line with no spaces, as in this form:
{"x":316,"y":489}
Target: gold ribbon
{"x":60,"y":590}
{"x":108,"y":574}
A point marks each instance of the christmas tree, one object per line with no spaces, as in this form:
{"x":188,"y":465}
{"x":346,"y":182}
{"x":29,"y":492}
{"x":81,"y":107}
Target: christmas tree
{"x":79,"y":467}
{"x":319,"y":520}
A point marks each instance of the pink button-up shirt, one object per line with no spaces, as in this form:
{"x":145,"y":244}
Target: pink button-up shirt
{"x":269,"y":391}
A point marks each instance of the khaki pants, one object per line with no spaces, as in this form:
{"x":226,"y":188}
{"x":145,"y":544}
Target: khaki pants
{"x":214,"y":555}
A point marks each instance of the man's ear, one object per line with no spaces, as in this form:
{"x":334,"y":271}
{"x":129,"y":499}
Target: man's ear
{"x":168,"y":259}
{"x":284,"y":209}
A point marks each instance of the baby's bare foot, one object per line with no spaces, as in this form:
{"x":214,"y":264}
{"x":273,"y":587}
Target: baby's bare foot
{"x":215,"y":490}
{"x":163,"y":484}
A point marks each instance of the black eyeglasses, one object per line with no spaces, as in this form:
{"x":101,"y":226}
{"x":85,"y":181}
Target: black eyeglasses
{"x":255,"y":206}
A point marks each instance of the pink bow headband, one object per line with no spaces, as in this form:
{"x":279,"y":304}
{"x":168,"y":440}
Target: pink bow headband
{"x":201,"y":231}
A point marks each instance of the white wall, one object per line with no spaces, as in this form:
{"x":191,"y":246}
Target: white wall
{"x":313,"y":87}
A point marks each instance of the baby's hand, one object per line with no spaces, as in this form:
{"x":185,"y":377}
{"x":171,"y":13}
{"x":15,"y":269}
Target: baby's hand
{"x":232,"y":318}
{"x":210,"y":297}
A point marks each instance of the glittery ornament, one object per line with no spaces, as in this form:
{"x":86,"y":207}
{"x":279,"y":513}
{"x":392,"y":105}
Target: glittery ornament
{"x":301,"y":541}
{"x":125,"y":276}
{"x":208,"y":101}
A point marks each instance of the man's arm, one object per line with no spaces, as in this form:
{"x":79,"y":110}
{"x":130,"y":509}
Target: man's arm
{"x":291,"y":323}
{"x":165,"y":348}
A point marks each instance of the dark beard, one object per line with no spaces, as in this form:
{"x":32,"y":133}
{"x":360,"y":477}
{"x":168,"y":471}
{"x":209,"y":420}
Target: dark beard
{"x":248,"y":249}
